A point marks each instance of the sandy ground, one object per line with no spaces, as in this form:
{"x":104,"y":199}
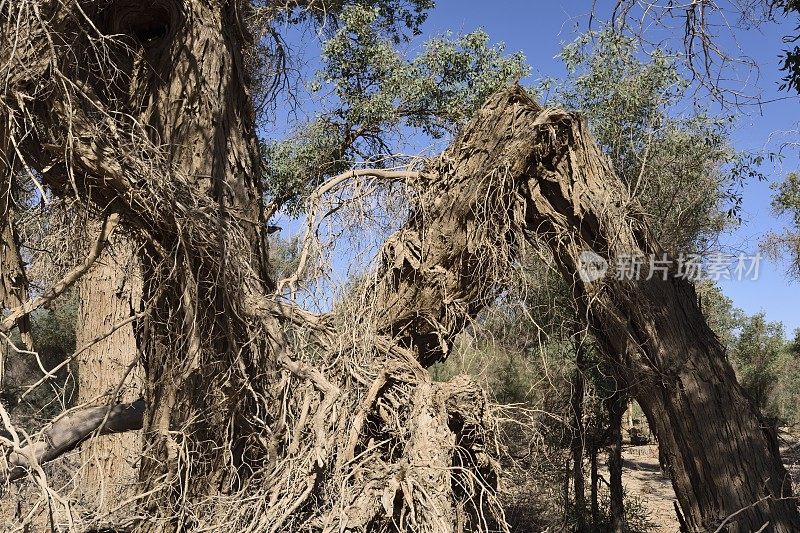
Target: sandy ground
{"x":642,"y":477}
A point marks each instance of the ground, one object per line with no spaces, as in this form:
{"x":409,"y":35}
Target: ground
{"x":642,"y":477}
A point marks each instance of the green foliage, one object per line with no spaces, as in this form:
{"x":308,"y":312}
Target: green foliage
{"x":787,"y":198}
{"x":292,"y":165}
{"x":757,"y":355}
{"x":718,"y":310}
{"x":786,"y":242}
{"x":507,"y":375}
{"x":681,"y":167}
{"x":284,"y":256}
{"x":54,"y":329}
{"x":791,"y":56}
{"x":374,"y":96}
{"x":436,"y":91}
{"x":398,"y":19}
{"x":637,"y":515}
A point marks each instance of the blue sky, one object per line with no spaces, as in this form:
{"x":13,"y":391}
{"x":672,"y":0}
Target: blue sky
{"x":540,"y":29}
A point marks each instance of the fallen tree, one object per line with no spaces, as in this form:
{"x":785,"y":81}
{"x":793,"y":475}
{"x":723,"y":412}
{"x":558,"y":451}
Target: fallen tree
{"x":331,"y":422}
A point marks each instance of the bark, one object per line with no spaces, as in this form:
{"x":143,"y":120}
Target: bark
{"x":595,"y":483}
{"x":616,"y":408}
{"x":170,"y":149}
{"x":108,"y":372}
{"x":721,"y":458}
{"x":159,"y":130}
{"x":578,"y":444}
{"x":218,"y":379}
{"x":13,"y":280}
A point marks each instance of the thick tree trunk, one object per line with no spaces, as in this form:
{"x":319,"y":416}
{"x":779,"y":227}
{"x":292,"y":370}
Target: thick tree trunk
{"x":108,"y":372}
{"x":159,"y":128}
{"x":192,"y":194}
{"x":722,"y":459}
{"x":616,"y":408}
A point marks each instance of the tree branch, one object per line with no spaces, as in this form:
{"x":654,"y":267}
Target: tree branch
{"x":68,"y":432}
{"x":67,"y":281}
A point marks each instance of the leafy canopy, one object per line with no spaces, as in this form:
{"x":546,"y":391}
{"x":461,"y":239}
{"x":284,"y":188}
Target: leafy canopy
{"x":372,"y":97}
{"x":679,"y":164}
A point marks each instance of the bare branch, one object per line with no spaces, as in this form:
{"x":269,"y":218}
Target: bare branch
{"x":69,"y":431}
{"x":67,"y":281}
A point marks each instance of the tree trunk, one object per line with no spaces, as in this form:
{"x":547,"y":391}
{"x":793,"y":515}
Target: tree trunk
{"x":595,"y":483}
{"x":171,"y":147}
{"x":616,"y":408}
{"x":578,"y":443}
{"x":108,"y":372}
{"x":722,"y":460}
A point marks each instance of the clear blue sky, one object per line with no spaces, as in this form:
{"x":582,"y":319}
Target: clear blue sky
{"x":539,"y":29}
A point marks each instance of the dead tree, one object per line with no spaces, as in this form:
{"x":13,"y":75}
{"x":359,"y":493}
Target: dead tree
{"x":331,"y":422}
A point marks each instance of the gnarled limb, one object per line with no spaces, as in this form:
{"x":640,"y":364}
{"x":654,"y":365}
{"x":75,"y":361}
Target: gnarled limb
{"x":69,"y":431}
{"x":548,"y":178}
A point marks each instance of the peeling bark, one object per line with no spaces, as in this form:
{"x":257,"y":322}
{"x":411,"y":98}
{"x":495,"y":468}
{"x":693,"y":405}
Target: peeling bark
{"x":548,"y":178}
{"x":217,"y":378}
{"x":722,"y":459}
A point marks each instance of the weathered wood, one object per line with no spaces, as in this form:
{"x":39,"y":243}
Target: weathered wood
{"x":108,"y":370}
{"x":518,"y":170}
{"x":722,"y":458}
{"x":70,"y":430}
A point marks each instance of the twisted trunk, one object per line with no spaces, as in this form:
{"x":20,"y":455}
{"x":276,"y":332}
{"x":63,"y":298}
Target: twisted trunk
{"x":721,"y":457}
{"x":214,"y":392}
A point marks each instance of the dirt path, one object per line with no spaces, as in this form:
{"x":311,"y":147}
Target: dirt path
{"x":642,"y":477}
